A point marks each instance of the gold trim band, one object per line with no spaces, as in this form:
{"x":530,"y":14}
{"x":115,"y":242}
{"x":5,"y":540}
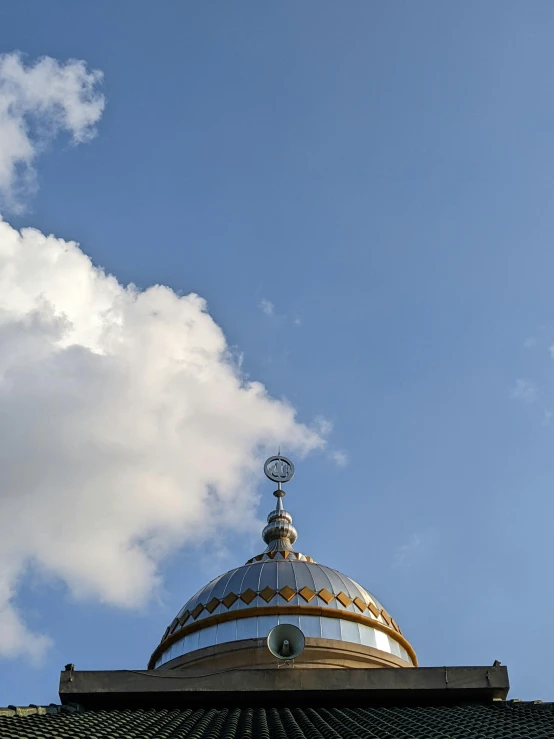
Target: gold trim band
{"x":280,"y":611}
{"x":287,"y":593}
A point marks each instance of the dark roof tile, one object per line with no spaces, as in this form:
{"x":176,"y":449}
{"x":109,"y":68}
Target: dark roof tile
{"x":510,"y":720}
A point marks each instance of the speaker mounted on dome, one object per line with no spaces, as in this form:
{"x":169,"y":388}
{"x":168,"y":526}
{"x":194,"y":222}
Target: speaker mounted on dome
{"x":286,"y":642}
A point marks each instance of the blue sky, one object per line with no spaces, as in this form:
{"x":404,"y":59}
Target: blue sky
{"x":383,"y":175}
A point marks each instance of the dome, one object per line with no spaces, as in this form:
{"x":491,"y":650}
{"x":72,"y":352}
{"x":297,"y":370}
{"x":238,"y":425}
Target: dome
{"x":282,"y":586}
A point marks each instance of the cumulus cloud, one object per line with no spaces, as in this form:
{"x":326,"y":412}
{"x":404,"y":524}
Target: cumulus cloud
{"x":38,"y":101}
{"x":524,"y":390}
{"x":127,"y":427}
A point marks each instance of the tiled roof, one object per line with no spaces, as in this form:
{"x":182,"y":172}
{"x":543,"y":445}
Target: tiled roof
{"x":510,"y":720}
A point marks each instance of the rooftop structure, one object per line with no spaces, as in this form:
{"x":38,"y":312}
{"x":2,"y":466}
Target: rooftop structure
{"x":352,"y":674}
{"x":344,"y":624}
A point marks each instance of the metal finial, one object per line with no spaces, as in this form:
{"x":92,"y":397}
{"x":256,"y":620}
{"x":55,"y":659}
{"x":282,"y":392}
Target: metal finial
{"x":279,"y":469}
{"x":279,"y":534}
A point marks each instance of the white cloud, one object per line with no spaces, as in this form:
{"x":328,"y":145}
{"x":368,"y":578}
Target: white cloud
{"x":340,"y":458}
{"x":323,"y":426}
{"x":524,"y":390}
{"x":38,"y":101}
{"x":267,"y":307}
{"x":126,"y":425}
{"x":530,"y":342}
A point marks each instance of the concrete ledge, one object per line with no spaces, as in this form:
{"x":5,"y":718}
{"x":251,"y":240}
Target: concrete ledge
{"x":284,"y":687}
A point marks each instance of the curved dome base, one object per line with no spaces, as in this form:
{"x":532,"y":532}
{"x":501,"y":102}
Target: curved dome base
{"x":225,"y":625}
{"x":254,"y":654}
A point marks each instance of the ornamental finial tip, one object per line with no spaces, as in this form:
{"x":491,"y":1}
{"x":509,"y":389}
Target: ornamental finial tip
{"x":279,"y":534}
{"x":280,"y":470}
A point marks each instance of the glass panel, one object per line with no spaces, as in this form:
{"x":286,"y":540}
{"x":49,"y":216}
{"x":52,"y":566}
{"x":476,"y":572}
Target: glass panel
{"x":192,"y":641}
{"x":294,"y":620}
{"x":311,"y":626}
{"x":178,"y":648}
{"x":265,"y":624}
{"x":404,"y":654}
{"x":350,"y":631}
{"x":247,"y":628}
{"x":330,"y":628}
{"x":367,"y":636}
{"x":186,"y":644}
{"x":382,"y":641}
{"x":227,"y":631}
{"x":394,"y":647}
{"x":207,"y":637}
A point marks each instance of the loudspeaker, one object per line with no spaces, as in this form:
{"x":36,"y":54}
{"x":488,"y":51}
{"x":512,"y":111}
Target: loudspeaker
{"x":286,"y":641}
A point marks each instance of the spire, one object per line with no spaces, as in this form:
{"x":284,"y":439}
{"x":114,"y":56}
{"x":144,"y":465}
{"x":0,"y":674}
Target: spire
{"x":279,"y":534}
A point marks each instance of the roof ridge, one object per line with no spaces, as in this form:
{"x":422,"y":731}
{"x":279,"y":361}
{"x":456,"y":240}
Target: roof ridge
{"x":34,"y":710}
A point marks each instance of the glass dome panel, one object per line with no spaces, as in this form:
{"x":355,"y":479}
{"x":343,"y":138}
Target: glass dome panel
{"x":382,"y":641}
{"x":292,"y":620}
{"x":367,"y":636}
{"x":311,"y":626}
{"x":226,"y":631}
{"x":350,"y":632}
{"x":330,"y":628}
{"x":265,"y":624}
{"x":247,"y":628}
{"x":207,"y":637}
